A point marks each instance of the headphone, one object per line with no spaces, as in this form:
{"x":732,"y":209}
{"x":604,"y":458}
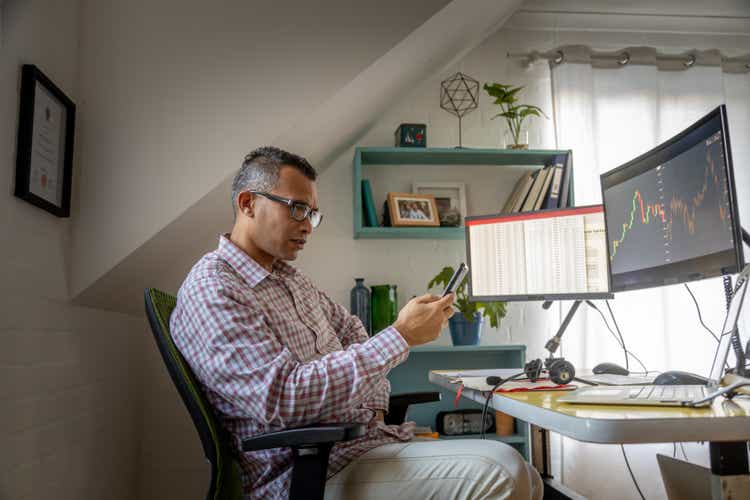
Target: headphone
{"x":560,"y":371}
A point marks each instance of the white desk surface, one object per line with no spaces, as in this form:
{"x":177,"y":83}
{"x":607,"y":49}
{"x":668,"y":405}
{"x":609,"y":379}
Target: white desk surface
{"x":724,"y":420}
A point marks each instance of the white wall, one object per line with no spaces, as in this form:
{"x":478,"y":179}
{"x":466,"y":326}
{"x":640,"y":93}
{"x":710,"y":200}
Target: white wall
{"x":69,"y":376}
{"x":175,"y":93}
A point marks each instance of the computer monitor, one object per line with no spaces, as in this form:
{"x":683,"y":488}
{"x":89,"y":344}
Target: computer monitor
{"x":542,"y":255}
{"x":671,"y":213}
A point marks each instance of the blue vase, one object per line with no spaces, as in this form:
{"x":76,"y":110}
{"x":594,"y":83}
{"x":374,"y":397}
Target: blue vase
{"x":464,"y":332}
{"x":360,"y":303}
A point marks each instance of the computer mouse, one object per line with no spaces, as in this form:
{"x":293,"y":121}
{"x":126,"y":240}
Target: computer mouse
{"x":610,"y":368}
{"x":679,"y":378}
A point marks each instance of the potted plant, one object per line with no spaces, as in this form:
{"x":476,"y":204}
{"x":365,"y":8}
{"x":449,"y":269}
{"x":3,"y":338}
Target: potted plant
{"x":513,"y":112}
{"x":466,"y":327}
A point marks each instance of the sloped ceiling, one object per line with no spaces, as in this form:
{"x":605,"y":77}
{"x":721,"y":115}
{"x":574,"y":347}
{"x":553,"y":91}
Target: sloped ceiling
{"x":438,"y":35}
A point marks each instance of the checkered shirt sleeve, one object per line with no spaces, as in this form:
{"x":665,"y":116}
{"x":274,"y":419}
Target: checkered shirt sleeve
{"x":350,"y":330}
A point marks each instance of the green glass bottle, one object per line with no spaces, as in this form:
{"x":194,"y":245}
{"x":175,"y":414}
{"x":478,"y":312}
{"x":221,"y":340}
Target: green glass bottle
{"x":384,"y":306}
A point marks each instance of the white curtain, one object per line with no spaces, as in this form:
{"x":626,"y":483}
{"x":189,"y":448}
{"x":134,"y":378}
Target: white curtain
{"x":607,"y":117}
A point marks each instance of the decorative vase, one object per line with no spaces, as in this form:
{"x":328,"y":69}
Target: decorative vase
{"x":384,"y":306}
{"x":510,"y":142}
{"x":360,"y":303}
{"x":463,"y":331}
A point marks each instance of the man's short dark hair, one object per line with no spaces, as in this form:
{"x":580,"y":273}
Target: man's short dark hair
{"x":260,"y":170}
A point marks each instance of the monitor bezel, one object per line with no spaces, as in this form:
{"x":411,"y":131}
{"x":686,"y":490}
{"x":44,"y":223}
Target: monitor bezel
{"x":672,"y":274}
{"x":536,"y":296}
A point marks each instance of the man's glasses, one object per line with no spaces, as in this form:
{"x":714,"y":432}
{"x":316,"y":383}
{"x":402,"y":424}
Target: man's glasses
{"x":297,"y":210}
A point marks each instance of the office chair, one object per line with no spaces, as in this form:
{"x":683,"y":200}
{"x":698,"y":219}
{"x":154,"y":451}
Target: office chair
{"x":310,"y":445}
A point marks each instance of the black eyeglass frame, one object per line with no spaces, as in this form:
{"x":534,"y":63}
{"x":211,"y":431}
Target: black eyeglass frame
{"x":292,"y":204}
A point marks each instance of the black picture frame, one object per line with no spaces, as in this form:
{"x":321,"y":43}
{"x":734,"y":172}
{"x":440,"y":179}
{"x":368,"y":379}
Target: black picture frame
{"x":44,"y":153}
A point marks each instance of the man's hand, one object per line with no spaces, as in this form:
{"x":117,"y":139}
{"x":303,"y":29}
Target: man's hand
{"x":422,"y":318}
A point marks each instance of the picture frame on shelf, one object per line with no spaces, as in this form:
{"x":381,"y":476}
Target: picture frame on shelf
{"x":410,"y":209}
{"x":44,"y":154}
{"x":450,"y":197}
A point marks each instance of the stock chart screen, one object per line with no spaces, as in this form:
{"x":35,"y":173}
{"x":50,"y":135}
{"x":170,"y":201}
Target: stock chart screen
{"x":669,"y":215}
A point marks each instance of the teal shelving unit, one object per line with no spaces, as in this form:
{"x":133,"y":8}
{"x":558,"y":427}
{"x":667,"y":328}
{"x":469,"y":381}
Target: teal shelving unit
{"x":412,"y":376}
{"x":430,"y":157}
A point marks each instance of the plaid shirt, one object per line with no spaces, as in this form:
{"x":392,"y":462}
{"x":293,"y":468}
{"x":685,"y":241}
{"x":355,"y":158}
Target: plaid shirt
{"x":273,"y":352}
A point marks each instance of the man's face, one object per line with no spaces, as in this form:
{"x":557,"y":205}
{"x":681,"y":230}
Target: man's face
{"x":275,"y":232}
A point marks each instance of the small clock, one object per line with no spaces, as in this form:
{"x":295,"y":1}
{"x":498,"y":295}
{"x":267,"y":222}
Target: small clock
{"x":468,"y":421}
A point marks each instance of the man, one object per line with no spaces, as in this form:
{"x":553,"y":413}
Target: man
{"x":272,"y":352}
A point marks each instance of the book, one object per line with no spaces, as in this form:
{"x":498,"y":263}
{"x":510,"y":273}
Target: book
{"x":552,"y":199}
{"x":528,"y":180}
{"x":508,"y":207}
{"x":535,"y":189}
{"x":368,"y":205}
{"x":567,"y":161}
{"x":545,"y":188}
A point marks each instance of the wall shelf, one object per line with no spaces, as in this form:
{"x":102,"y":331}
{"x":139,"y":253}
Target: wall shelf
{"x":436,"y":233}
{"x":431,"y":157}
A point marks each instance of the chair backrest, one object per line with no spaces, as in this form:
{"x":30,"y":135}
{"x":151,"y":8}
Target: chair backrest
{"x":226,"y":482}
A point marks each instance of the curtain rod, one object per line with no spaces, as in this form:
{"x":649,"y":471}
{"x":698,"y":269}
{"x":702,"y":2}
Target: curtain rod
{"x":636,"y":55}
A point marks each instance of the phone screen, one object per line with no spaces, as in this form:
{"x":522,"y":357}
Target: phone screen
{"x":456,"y":279}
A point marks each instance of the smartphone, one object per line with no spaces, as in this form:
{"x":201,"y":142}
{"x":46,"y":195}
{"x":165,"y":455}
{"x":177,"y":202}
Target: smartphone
{"x":456,"y":279}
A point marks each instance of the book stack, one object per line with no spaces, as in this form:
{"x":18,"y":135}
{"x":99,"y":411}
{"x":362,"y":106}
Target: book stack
{"x":542,"y":189}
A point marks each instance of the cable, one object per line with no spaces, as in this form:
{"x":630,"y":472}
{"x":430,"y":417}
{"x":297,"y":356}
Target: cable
{"x":489,"y":396}
{"x":734,"y":336}
{"x":674,"y":450}
{"x":606,"y":323}
{"x":589,"y":383}
{"x":683,"y":453}
{"x":632,"y":476}
{"x":700,"y":317}
{"x":728,"y":292}
{"x":622,"y":340}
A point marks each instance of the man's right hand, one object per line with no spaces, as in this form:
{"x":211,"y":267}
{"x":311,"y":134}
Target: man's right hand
{"x":422,"y":318}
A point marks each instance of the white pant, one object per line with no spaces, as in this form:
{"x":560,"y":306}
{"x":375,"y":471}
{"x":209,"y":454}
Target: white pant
{"x":450,"y":469}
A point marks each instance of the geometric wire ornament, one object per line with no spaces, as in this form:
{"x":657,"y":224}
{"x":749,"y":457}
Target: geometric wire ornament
{"x":459,"y":96}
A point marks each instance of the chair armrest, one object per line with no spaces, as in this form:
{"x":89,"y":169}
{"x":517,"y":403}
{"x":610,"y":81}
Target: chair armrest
{"x":301,"y":437}
{"x":414,"y":398}
{"x":399,"y":404}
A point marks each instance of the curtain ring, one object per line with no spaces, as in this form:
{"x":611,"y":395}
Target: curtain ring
{"x":624,"y":59}
{"x":688,"y":63}
{"x":559,"y":57}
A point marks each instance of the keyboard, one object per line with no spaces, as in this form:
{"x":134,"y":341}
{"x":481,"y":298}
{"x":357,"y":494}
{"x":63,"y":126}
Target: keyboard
{"x":666,"y":393}
{"x":651,"y":395}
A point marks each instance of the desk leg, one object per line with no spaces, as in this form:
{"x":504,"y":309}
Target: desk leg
{"x":730,"y":477}
{"x":540,"y":451}
{"x":540,"y":459}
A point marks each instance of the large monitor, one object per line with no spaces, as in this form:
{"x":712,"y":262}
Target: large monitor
{"x":671,"y":213}
{"x":542,"y":255}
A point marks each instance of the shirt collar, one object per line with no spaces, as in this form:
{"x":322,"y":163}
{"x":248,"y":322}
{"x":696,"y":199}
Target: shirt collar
{"x":250,"y":270}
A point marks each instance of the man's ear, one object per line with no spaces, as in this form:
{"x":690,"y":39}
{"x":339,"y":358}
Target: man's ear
{"x":245,"y":203}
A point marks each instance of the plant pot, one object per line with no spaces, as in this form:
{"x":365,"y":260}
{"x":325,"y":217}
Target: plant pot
{"x":510,"y":142}
{"x":465,"y":332}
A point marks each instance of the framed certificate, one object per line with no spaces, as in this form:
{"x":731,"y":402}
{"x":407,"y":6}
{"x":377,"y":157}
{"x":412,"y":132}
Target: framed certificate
{"x":44,"y":156}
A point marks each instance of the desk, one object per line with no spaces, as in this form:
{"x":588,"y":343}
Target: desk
{"x":725,"y":425}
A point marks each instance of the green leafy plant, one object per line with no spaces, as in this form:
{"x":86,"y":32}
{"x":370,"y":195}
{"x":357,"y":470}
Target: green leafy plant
{"x":513,"y":112}
{"x":495,"y":311}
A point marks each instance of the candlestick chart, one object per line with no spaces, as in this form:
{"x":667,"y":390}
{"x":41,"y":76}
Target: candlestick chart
{"x":673,"y":212}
